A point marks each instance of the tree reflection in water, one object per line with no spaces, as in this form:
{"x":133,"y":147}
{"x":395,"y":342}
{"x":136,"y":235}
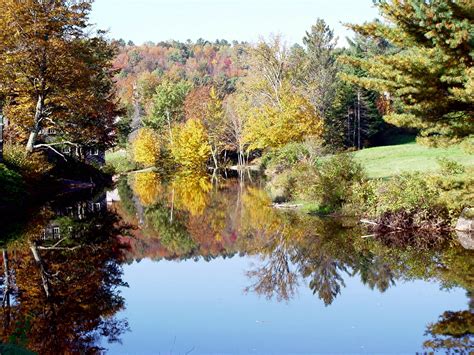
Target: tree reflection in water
{"x":61,"y":278}
{"x":192,"y":219}
{"x":62,"y":270}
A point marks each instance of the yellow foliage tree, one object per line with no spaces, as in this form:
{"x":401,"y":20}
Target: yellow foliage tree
{"x":146,"y":147}
{"x":215,"y":124}
{"x":270,"y":126}
{"x":190,"y":146}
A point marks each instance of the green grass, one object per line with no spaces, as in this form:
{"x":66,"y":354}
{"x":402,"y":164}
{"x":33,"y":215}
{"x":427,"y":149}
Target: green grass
{"x":382,"y":162}
{"x":119,"y":161}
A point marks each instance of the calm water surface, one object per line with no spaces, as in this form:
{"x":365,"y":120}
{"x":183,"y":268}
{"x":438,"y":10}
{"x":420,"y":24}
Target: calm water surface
{"x":188,"y":266}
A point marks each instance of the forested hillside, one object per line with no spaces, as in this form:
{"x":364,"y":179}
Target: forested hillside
{"x":260,"y":96}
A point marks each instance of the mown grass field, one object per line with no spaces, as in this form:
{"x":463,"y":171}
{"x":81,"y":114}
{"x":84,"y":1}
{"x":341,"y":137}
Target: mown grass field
{"x":386,"y":161}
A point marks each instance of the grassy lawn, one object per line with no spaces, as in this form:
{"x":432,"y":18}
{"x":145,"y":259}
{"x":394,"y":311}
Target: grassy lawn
{"x":392,"y":160}
{"x":119,"y":161}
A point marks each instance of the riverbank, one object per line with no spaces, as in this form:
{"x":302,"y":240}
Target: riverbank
{"x":20,"y":183}
{"x":406,"y":186}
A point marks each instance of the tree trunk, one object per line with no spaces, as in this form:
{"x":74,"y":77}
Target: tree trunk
{"x":358,"y":120}
{"x":169,"y":126}
{"x":6,"y":292}
{"x":43,"y":272}
{"x":172,"y":207}
{"x":214,"y":157}
{"x":6,"y":281}
{"x":354,"y":126}
{"x":348,"y":126}
{"x":30,"y":146}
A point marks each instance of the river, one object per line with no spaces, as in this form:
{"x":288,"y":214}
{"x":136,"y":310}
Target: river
{"x":193,"y":266}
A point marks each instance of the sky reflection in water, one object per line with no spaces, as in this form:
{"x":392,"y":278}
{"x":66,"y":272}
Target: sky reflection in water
{"x":176,"y":307}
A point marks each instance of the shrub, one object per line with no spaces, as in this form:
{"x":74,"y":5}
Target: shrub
{"x":406,"y":192}
{"x":431,"y":200}
{"x":456,"y":191}
{"x":450,"y":167}
{"x":329,"y":182}
{"x":283,"y":158}
{"x":363,"y":199}
{"x":32,"y":166}
{"x":281,"y":187}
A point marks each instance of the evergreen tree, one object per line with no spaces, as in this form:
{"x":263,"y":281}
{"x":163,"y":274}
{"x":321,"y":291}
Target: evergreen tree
{"x":355,"y":116}
{"x":430,"y":78}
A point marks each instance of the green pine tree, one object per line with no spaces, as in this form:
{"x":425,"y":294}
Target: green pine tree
{"x":430,"y":78}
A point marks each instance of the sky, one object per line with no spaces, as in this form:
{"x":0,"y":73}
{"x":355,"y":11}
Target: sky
{"x":241,"y":20}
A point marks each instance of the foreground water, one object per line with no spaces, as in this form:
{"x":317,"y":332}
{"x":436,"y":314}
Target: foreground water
{"x":200,"y":307}
{"x":188,"y":266}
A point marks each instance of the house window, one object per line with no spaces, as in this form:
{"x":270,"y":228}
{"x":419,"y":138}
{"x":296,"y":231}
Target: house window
{"x":56,"y":232}
{"x":95,"y":151}
{"x":67,"y":149}
{"x":98,"y":207}
{"x":51,"y":131}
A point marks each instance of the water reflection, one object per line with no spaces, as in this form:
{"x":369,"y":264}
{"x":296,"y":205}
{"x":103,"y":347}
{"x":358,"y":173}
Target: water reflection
{"x":63,"y":269}
{"x":192,"y":218}
{"x":453,"y":332}
{"x":61,"y":280}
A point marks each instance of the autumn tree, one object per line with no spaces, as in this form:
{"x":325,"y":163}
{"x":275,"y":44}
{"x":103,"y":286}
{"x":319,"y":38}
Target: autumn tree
{"x":66,"y":287}
{"x":204,"y":104}
{"x":236,"y":116}
{"x":146,"y":147}
{"x":277,"y":112}
{"x":269,"y":69}
{"x":53,"y":73}
{"x":215,"y":125}
{"x":196,"y":102}
{"x":192,"y":192}
{"x":167,"y":105}
{"x":430,"y":77}
{"x":292,"y":120}
{"x":190,"y":147}
{"x":146,"y":87}
{"x":172,"y":231}
{"x":453,"y":332}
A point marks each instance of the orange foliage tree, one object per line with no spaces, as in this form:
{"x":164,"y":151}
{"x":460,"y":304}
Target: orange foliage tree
{"x":54,"y":74}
